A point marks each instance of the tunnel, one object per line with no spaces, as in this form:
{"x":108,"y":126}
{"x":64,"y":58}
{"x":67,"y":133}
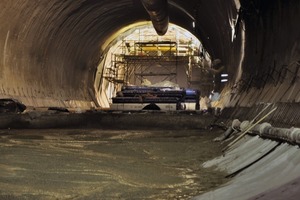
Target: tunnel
{"x":56,"y":60}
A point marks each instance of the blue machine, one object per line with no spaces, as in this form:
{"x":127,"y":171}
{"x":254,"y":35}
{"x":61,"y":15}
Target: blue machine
{"x":162,"y":97}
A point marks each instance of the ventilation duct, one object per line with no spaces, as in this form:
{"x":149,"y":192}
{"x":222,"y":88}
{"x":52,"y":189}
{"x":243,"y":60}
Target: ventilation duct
{"x":158,"y":12}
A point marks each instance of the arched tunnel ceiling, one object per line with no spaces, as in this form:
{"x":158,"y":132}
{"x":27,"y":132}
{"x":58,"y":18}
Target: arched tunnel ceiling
{"x":50,"y":49}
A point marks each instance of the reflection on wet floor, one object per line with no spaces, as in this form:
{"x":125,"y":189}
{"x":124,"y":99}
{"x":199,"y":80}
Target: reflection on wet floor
{"x":106,"y":164}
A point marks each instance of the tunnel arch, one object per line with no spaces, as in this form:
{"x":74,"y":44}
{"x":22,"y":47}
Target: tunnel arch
{"x":106,"y":88}
{"x":50,"y":50}
{"x":56,"y":49}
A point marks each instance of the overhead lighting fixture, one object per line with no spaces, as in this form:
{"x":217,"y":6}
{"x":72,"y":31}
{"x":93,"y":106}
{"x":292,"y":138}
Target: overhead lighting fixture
{"x":224,"y":80}
{"x":224,"y":75}
{"x":194,"y":24}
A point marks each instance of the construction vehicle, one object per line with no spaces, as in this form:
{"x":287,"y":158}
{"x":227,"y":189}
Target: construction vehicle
{"x":156,"y":98}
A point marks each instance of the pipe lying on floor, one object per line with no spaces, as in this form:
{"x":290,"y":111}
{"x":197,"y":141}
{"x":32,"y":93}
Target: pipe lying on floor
{"x":158,"y":12}
{"x":290,"y":135}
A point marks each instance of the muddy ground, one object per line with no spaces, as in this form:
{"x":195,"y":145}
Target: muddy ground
{"x":107,"y":164}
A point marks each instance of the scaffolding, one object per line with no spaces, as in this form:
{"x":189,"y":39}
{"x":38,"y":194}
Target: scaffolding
{"x":141,"y":60}
{"x":140,"y":54}
{"x":117,"y":71}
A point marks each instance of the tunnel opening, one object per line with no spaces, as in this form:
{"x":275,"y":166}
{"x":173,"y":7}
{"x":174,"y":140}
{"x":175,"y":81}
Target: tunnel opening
{"x":140,"y":57}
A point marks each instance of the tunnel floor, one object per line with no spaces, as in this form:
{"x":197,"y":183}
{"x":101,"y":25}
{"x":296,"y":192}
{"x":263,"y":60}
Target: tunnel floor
{"x":107,"y":164}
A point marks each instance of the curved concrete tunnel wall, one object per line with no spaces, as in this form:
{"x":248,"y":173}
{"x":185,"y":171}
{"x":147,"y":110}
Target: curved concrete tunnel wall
{"x":272,"y":54}
{"x":50,"y":50}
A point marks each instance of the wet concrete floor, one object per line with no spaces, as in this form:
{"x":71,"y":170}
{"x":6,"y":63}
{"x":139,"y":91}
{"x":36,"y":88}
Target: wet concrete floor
{"x":107,"y":164}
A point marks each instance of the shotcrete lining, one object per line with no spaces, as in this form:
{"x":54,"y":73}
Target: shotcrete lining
{"x":51,"y":49}
{"x":233,"y":160}
{"x":259,"y":177}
